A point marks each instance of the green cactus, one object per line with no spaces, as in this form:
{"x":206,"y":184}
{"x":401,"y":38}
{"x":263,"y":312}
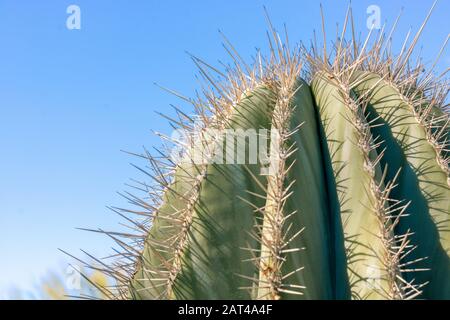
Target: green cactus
{"x":351,"y":201}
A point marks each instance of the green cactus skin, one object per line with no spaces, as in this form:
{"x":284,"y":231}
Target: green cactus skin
{"x":356,"y":207}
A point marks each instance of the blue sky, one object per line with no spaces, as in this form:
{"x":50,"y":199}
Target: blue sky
{"x":70,"y":100}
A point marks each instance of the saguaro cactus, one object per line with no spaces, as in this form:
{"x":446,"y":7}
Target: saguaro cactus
{"x":351,"y":199}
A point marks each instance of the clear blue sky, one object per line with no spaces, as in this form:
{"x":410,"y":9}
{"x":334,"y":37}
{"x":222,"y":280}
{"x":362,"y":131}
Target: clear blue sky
{"x":70,"y":100}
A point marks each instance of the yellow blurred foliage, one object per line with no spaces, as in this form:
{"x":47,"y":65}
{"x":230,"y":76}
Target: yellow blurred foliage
{"x":55,"y":286}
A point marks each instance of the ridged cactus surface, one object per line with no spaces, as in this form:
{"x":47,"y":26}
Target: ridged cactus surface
{"x":354,"y":202}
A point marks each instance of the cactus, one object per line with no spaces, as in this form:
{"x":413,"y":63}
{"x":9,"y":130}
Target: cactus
{"x":352,"y":200}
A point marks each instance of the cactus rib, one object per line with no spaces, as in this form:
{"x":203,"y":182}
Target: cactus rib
{"x":422,"y":182}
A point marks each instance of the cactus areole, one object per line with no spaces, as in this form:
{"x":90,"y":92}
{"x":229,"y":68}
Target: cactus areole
{"x":305,"y":175}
